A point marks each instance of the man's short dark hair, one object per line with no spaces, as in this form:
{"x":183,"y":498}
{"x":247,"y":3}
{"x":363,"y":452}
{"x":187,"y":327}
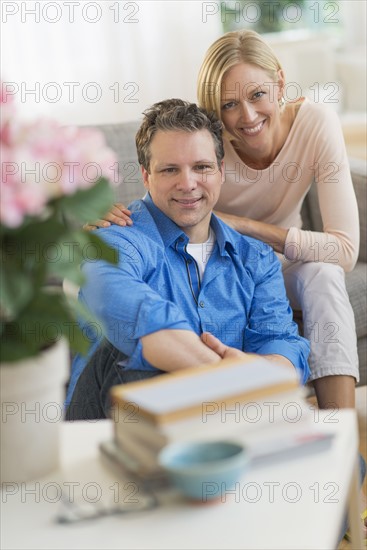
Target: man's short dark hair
{"x":176,"y":115}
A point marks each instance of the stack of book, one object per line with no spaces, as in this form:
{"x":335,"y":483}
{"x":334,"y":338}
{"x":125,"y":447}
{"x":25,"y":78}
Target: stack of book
{"x":224,"y":401}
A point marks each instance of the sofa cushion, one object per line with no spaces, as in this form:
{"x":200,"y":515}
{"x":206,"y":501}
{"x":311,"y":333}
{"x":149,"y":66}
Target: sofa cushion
{"x":121,"y":138}
{"x":358,"y":170}
{"x":356,"y":283}
{"x":362,"y":356}
{"x":311,"y":215}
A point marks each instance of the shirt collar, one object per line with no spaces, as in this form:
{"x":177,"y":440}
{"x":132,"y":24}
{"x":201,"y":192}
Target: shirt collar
{"x":167,"y":228}
{"x":226,"y":237}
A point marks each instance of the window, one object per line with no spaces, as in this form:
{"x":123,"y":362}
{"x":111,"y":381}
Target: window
{"x":268,"y":16}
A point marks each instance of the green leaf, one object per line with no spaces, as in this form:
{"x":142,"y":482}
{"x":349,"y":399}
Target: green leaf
{"x":46,"y":320}
{"x":69,"y":258}
{"x":79,"y":311}
{"x":14,"y":348}
{"x":87,"y":204}
{"x":16,"y":290}
{"x":43,"y":322}
{"x":45,"y":233}
{"x":31,"y":249}
{"x":101,"y":250}
{"x":77,"y":246}
{"x":79,"y":343}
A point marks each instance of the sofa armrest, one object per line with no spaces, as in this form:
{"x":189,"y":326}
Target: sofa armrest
{"x":311,"y":212}
{"x":358,"y":168}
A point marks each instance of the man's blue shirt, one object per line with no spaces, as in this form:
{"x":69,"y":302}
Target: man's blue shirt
{"x":241,"y":298}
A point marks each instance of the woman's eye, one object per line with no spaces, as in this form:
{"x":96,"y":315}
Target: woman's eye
{"x":257,"y":95}
{"x":228,"y":105}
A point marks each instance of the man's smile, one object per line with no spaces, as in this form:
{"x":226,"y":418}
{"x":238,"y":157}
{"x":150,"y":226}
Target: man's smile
{"x":187,"y":203}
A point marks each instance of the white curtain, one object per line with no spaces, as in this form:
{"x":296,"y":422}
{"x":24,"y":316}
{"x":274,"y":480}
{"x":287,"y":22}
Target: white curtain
{"x":88,"y":62}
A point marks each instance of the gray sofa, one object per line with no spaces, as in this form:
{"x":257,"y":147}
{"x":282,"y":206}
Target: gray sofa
{"x":121,"y":138}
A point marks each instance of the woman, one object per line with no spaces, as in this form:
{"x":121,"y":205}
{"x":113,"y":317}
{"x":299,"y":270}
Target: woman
{"x":274,"y":150}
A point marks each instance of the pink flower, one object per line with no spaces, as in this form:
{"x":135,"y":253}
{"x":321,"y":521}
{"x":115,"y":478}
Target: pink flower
{"x":43,"y":161}
{"x":18,"y":201}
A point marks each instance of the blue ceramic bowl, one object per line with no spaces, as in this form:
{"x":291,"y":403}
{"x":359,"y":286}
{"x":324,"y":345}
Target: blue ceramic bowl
{"x":204,"y":471}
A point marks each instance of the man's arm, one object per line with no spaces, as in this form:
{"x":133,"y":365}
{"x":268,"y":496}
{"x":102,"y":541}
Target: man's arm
{"x":138,"y":320}
{"x":271,"y":330}
{"x":226,"y":352}
{"x":171,"y":350}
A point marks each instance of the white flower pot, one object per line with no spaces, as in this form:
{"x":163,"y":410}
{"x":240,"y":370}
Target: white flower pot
{"x":32,"y":394}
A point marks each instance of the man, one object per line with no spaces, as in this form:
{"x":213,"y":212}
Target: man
{"x":182,"y":272}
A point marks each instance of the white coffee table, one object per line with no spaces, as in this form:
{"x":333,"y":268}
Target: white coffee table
{"x":297,"y":503}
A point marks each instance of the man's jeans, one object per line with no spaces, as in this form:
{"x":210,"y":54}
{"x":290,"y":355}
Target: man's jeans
{"x":91,"y":397}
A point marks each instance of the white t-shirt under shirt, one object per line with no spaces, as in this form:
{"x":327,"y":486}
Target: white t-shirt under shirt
{"x":201,"y":252}
{"x":314,"y":150}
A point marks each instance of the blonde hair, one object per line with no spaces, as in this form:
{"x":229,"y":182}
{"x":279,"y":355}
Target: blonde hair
{"x":229,"y":50}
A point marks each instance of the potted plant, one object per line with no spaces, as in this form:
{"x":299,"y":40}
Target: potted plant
{"x":52,"y":177}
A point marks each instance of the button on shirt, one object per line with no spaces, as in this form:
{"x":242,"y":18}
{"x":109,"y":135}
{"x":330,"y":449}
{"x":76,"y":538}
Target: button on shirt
{"x":241,"y":298}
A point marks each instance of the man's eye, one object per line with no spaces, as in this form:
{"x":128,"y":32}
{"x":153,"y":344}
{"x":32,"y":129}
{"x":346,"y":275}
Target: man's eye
{"x":170,"y":170}
{"x":204,"y":167}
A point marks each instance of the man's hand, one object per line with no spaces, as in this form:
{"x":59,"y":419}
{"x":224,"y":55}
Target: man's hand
{"x":226,"y":352}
